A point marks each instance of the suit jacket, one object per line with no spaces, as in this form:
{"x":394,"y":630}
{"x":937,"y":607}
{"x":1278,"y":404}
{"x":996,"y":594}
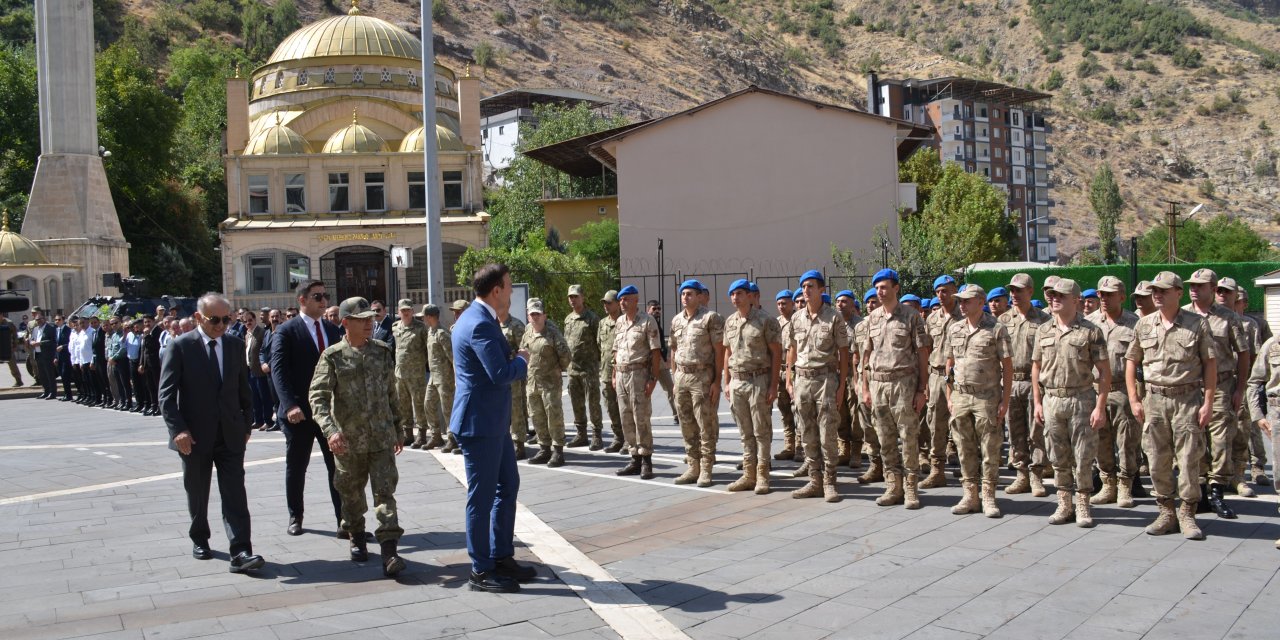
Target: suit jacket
{"x":293,"y":361}
{"x":484,"y":368}
{"x":62,"y":335}
{"x":151,"y":347}
{"x":100,"y":346}
{"x":192,"y":399}
{"x":253,"y":350}
{"x":48,"y":340}
{"x":382,"y":331}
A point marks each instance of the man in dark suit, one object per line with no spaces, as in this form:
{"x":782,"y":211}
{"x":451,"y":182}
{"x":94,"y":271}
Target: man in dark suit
{"x":484,"y":368}
{"x":205,"y":401}
{"x":44,"y":343}
{"x":62,"y":335}
{"x":151,"y":360}
{"x":98,"y":368}
{"x":295,"y":348}
{"x":382,"y":324}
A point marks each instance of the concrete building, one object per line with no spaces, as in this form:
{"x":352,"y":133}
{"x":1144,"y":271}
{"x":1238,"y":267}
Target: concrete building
{"x":324,"y":166}
{"x":504,"y":115}
{"x":25,"y":268}
{"x":994,"y":131}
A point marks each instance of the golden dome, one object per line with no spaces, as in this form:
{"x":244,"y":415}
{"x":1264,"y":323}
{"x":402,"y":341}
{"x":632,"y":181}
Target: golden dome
{"x":355,"y":138}
{"x":16,"y":250}
{"x":350,"y":35}
{"x":277,"y":140}
{"x":446,"y":140}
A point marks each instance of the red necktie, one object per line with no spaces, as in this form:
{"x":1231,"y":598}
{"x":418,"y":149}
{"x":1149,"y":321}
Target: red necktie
{"x":319,"y":337}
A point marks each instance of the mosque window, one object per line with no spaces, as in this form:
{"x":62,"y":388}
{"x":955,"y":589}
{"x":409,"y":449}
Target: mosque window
{"x":357,"y":76}
{"x":338,"y":184}
{"x":452,"y":190}
{"x":295,"y":198}
{"x":386,"y":75}
{"x":303,"y":77}
{"x":417,"y":190}
{"x":279,"y":79}
{"x":375,"y":196}
{"x":329,"y":75}
{"x":259,"y":191}
{"x":261,"y":274}
{"x":263,"y":89}
{"x":413,"y":79}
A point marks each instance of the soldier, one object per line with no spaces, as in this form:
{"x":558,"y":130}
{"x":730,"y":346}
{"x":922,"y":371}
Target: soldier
{"x":654,"y":309}
{"x":1067,"y":350}
{"x":938,"y":417}
{"x":1264,"y":392}
{"x":875,"y":473}
{"x":604,"y":338}
{"x":897,"y":353}
{"x":439,"y":403}
{"x":411,"y":374}
{"x":998,"y":301}
{"x":1120,"y":440}
{"x":1226,"y":297}
{"x":637,"y":361}
{"x":979,"y":361}
{"x":548,"y":358}
{"x":786,"y":305}
{"x":752,"y":357}
{"x":850,"y":430}
{"x":1257,"y":451}
{"x":1026,"y":436}
{"x":1231,"y":351}
{"x":697,"y":357}
{"x":580,"y":329}
{"x":1142,"y":299}
{"x":1175,"y":350}
{"x":513,"y":330}
{"x":1091,"y":301}
{"x":817,"y":364}
{"x":458,"y":307}
{"x":353,"y":399}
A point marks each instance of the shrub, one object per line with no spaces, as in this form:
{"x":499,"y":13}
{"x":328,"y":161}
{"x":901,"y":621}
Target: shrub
{"x":1105,"y":112}
{"x":1265,"y":168}
{"x":483,"y":54}
{"x":1207,"y":189}
{"x":1111,"y":84}
{"x":1055,"y":81}
{"x":439,"y":10}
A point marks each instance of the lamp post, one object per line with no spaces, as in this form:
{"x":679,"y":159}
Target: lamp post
{"x":435,"y":262}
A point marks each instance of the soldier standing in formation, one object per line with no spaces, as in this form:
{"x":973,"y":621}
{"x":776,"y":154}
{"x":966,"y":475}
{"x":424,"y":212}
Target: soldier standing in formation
{"x":604,"y":338}
{"x":548,"y":358}
{"x":654,"y":309}
{"x":752,"y":355}
{"x":998,"y":302}
{"x":938,"y":417}
{"x":458,"y":307}
{"x":1142,"y":298}
{"x":850,"y":430}
{"x":697,"y":358}
{"x":857,"y":349}
{"x":1026,"y":435}
{"x":411,"y":374}
{"x":817,"y":361}
{"x":580,"y":328}
{"x":1120,"y":440}
{"x":440,"y":386}
{"x":1226,"y":294}
{"x":637,"y":361}
{"x":786,"y":305}
{"x":1257,"y":451}
{"x":513,"y":330}
{"x":1264,"y":393}
{"x":358,"y":415}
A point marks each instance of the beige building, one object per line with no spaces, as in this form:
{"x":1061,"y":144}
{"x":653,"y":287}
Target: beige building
{"x":324,"y":166}
{"x":25,"y":268}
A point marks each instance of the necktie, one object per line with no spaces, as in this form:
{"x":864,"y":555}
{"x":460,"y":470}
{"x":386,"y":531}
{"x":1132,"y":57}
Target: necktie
{"x":213,"y":360}
{"x":319,"y":337}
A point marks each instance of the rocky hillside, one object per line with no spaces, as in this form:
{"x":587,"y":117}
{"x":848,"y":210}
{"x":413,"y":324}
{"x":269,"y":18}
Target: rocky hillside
{"x":1180,"y":99}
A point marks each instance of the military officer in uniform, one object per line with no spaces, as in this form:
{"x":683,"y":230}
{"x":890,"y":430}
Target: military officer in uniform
{"x":1142,"y":298}
{"x":785,"y":302}
{"x":548,"y":358}
{"x":817,"y":363}
{"x":637,"y":360}
{"x":938,"y":417}
{"x":1257,"y":451}
{"x":697,"y":358}
{"x":458,"y":307}
{"x":1264,"y":393}
{"x":752,"y":357}
{"x":604,"y":337}
{"x":875,"y":472}
{"x":1120,"y":440}
{"x":411,"y":374}
{"x":850,"y":429}
{"x":580,"y":328}
{"x":1226,"y":295}
{"x":998,"y":302}
{"x":440,"y":386}
{"x":513,"y":330}
{"x":353,"y":400}
{"x":1026,"y":435}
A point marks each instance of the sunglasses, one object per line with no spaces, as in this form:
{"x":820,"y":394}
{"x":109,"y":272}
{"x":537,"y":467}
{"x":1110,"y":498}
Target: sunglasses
{"x":217,"y":320}
{"x":319,"y":296}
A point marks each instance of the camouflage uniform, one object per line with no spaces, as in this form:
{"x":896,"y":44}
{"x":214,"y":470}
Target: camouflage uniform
{"x":891,"y":351}
{"x":352,"y":393}
{"x":692,"y":343}
{"x":818,"y":341}
{"x":1263,"y":397}
{"x":976,"y":356}
{"x":513,"y":330}
{"x":937,"y":415}
{"x":411,"y":375}
{"x":548,"y":357}
{"x":604,"y":339}
{"x":584,"y":371}
{"x":1229,"y":341}
{"x":850,"y":429}
{"x":440,"y":387}
{"x":1026,"y":436}
{"x":633,"y":346}
{"x":751,"y":368}
{"x":1122,"y":432}
{"x":1067,"y":359}
{"x":1257,"y":451}
{"x":857,"y":348}
{"x":790,"y":436}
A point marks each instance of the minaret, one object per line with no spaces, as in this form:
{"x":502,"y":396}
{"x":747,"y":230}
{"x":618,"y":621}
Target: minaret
{"x":70,"y":214}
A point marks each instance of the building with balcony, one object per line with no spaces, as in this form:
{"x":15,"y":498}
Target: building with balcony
{"x":504,"y":115}
{"x":992,"y":129}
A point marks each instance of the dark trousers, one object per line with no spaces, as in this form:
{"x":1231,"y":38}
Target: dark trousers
{"x":492,"y":484}
{"x":197,"y":471}
{"x":139,"y":383}
{"x":261,"y":399}
{"x":45,"y":372}
{"x":124,"y":381}
{"x":66,"y":372}
{"x":103,"y":382}
{"x":298,"y":439}
{"x":153,"y":384}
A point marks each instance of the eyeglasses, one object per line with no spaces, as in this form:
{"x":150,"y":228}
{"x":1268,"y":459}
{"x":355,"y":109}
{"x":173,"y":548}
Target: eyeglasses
{"x":217,"y":320}
{"x":319,"y":296}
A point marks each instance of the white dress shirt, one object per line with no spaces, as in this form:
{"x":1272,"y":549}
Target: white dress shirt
{"x":311,"y":331}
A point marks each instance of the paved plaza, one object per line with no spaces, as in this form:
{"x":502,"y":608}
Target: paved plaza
{"x":93,"y":543}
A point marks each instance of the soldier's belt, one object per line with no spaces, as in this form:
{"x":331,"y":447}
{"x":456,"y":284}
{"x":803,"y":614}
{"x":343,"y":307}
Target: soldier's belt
{"x":1172,"y":391}
{"x":939,"y":369}
{"x":1223,"y":376}
{"x":692,"y":368}
{"x":1066,"y":392}
{"x":977,"y":391}
{"x":814,"y":372}
{"x":745,"y":374}
{"x":891,"y":376}
{"x":1021,"y":376}
{"x":628,"y":368}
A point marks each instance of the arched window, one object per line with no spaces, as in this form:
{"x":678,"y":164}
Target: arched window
{"x":279,"y":79}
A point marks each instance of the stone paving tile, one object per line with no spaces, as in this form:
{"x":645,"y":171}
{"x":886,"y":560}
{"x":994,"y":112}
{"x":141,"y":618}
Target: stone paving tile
{"x":1130,"y":613}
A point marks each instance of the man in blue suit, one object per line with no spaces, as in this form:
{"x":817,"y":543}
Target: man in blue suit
{"x":484,"y":368}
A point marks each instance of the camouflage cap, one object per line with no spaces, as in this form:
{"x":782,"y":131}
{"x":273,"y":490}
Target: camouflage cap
{"x":535,"y":306}
{"x":460,"y":305}
{"x":355,"y":308}
{"x":1167,"y":280}
{"x":1110,"y":284}
{"x":609,"y":296}
{"x":430,"y":310}
{"x":973,"y":291}
{"x":1143,"y":288}
{"x":1228,"y":283}
{"x":404,"y":303}
{"x":1051,"y":281}
{"x":1202,"y":276}
{"x":1067,"y":287}
{"x":1021,"y":281}
{"x":575,"y":289}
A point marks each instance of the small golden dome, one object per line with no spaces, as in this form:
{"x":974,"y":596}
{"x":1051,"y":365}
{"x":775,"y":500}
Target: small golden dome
{"x":446,"y":140}
{"x":355,"y":138}
{"x":277,"y":140}
{"x":16,"y":250}
{"x":354,"y":34}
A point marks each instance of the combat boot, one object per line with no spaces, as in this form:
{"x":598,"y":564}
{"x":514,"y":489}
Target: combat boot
{"x":359,"y":548}
{"x":1065,"y":512}
{"x":911,"y":492}
{"x":1166,"y":521}
{"x":855,"y":455}
{"x":618,"y":440}
{"x":421,"y":440}
{"x":1084,"y":516}
{"x":1139,"y":491}
{"x":845,"y":452}
{"x":788,"y":447}
{"x":1124,"y":493}
{"x":874,"y":474}
{"x":1187,"y":522}
{"x":557,"y":457}
{"x":762,"y":479}
{"x":829,"y":492}
{"x":520,"y":452}
{"x":969,"y":503}
{"x":449,"y":444}
{"x":1260,"y":476}
{"x":1037,"y":485}
{"x":892,"y":490}
{"x":392,"y":563}
{"x":1243,"y":489}
{"x":1219,"y":504}
{"x":646,"y":467}
{"x":690,"y":475}
{"x":435,"y":442}
{"x":937,"y":476}
{"x":541,"y":457}
{"x":989,"y":507}
{"x":802,"y":471}
{"x":811,"y":490}
{"x":1020,"y":484}
{"x":704,"y":478}
{"x":597,"y":438}
{"x":632,"y":468}
{"x":748,"y":480}
{"x":1108,"y":493}
{"x":579,"y":440}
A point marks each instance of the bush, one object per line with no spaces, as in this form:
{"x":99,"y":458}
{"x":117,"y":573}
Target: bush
{"x":1136,"y":103}
{"x":1110,"y":26}
{"x":215,"y":15}
{"x":796,"y":56}
{"x":1105,"y":112}
{"x":1053,"y":55}
{"x":1265,"y":168}
{"x":1055,"y":81}
{"x":1088,"y":66}
{"x":439,"y":10}
{"x":1187,"y":58}
{"x":483,"y":54}
{"x":502,"y":18}
{"x":1207,"y":189}
{"x":1111,"y":84}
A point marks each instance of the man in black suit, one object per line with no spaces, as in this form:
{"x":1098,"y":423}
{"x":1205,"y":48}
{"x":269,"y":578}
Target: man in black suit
{"x":44,"y":343}
{"x":295,"y":348}
{"x":98,"y":368}
{"x":151,"y":360}
{"x":62,"y":336}
{"x":205,"y":401}
{"x":382,"y":324}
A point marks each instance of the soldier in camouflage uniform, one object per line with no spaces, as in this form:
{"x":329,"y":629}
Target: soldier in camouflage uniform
{"x":875,"y":472}
{"x":548,"y":358}
{"x":1264,"y":393}
{"x":753,"y":351}
{"x":697,"y":357}
{"x":817,"y":364}
{"x":353,"y":400}
{"x":580,"y":328}
{"x":637,"y":353}
{"x":850,"y":430}
{"x":786,"y":307}
{"x":513,"y":330}
{"x":604,"y":337}
{"x":1120,"y":440}
{"x":411,"y":373}
{"x":1227,"y":293}
{"x":938,"y":416}
{"x":458,"y":307}
{"x":440,"y":386}
{"x":1026,"y":435}
{"x":998,"y":302}
{"x":1257,"y":451}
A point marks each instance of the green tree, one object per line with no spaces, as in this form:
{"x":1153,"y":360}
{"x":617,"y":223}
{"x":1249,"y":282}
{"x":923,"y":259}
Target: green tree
{"x":924,"y":168}
{"x":264,"y":27}
{"x":1104,"y":197}
{"x":964,"y":222}
{"x":19,"y":128}
{"x":1222,"y":239}
{"x":548,"y":272}
{"x":598,"y":243}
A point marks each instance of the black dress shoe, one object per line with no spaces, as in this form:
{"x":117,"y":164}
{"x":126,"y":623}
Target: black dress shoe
{"x":492,"y":582}
{"x":245,"y":561}
{"x":1218,"y":504}
{"x":201,"y":552}
{"x":508,"y":568}
{"x":295,"y":527}
{"x":359,"y":552}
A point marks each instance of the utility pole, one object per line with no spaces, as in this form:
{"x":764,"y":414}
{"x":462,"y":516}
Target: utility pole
{"x":1171,"y":225}
{"x":431,"y":166}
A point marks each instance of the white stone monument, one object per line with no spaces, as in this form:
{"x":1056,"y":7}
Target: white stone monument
{"x":70,"y":214}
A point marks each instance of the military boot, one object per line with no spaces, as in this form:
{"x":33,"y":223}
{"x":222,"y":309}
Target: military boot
{"x":845,"y":452}
{"x":811,"y":490}
{"x":618,"y":440}
{"x":1124,"y":493}
{"x":788,"y":447}
{"x":762,"y":478}
{"x":632,"y":468}
{"x":435,"y":442}
{"x":1065,"y":512}
{"x":392,"y":563}
{"x":359,"y":548}
{"x":557,"y":457}
{"x":704,"y":478}
{"x":1139,"y":491}
{"x":989,"y":507}
{"x":1166,"y":521}
{"x":855,"y":455}
{"x":1260,"y":476}
{"x":542,"y":456}
{"x":1037,"y":485}
{"x":690,"y":475}
{"x":597,"y":438}
{"x":421,"y":440}
{"x":937,"y":476}
{"x":970,"y":502}
{"x":1020,"y":484}
{"x":748,"y":480}
{"x":1243,"y":489}
{"x":892,"y":490}
{"x":874,"y":474}
{"x":450,"y":445}
{"x":911,"y":492}
{"x":1108,"y":493}
{"x":829,"y":492}
{"x":1084,"y":517}
{"x":802,"y":471}
{"x":579,"y":440}
{"x":646,"y":467}
{"x":1219,"y":503}
{"x":520,"y":452}
{"x":1187,"y":522}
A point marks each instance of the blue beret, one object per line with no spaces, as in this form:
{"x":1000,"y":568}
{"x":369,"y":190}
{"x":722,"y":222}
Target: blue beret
{"x":826,"y":298}
{"x":690,"y":284}
{"x":942,"y":280}
{"x":856,"y":305}
{"x":740,"y":283}
{"x":845,"y":293}
{"x":998,"y":292}
{"x":785,"y":293}
{"x":986,"y":308}
{"x":910,"y":297}
{"x":871,"y":293}
{"x":1090,"y":293}
{"x":885,"y":274}
{"x":799,"y":293}
{"x":753,"y":287}
{"x":813,"y":274}
{"x":1039,"y":304}
{"x":629,"y":290}
{"x":929,"y":303}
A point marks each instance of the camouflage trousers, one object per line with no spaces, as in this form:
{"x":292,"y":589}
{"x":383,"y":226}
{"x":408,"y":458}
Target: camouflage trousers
{"x":439,"y":406}
{"x":378,"y":470}
{"x":1120,"y":440}
{"x":978,"y":434}
{"x":610,"y":394}
{"x":1026,"y":436}
{"x":699,"y":424}
{"x":1172,"y":435}
{"x":895,"y":419}
{"x":546,"y":408}
{"x":1073,"y":444}
{"x":1218,"y":462}
{"x":749,"y":402}
{"x":584,"y":391}
{"x":817,"y":409}
{"x":785,"y":406}
{"x":519,"y":412}
{"x":937,"y":419}
{"x":1257,"y":450}
{"x":637,"y":409}
{"x":411,"y":395}
{"x":668,"y":386}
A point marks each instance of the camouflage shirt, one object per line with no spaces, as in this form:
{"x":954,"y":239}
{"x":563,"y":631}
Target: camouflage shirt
{"x":580,"y":332}
{"x":818,"y":339}
{"x":353,"y":392}
{"x":411,"y":348}
{"x":1174,"y":356}
{"x":548,"y":353}
{"x":1264,"y":380}
{"x":937,"y":324}
{"x":513,"y":331}
{"x":693,"y":339}
{"x":976,"y":353}
{"x":1119,"y":335}
{"x":748,"y":340}
{"x":604,"y":340}
{"x":634,"y":341}
{"x":1227,"y":335}
{"x":894,"y":340}
{"x":1022,"y":335}
{"x":440,"y":356}
{"x":1067,"y":357}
